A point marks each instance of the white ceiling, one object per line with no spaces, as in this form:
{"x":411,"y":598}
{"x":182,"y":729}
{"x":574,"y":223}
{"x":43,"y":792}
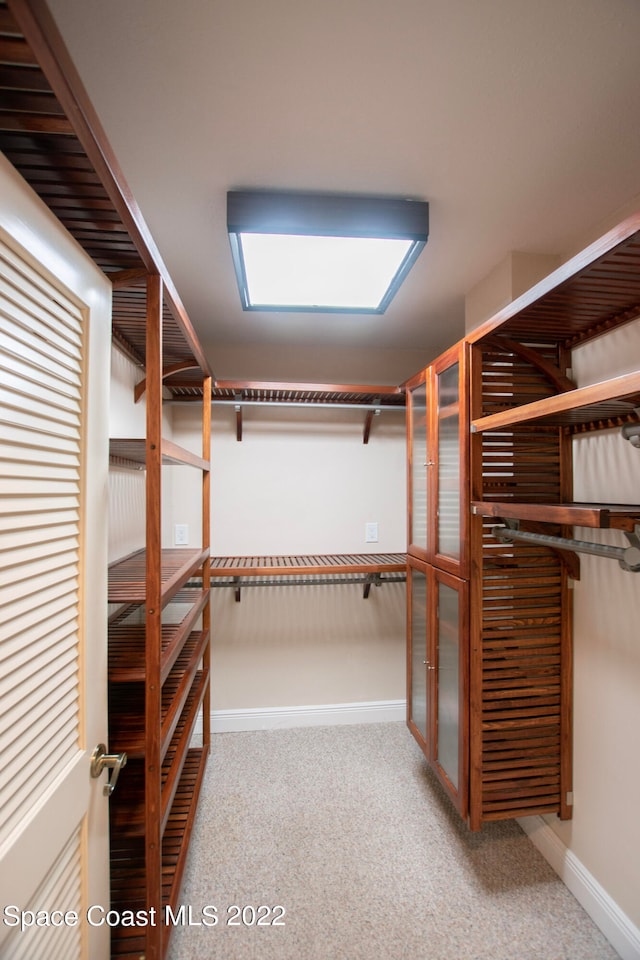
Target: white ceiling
{"x":518,"y":121}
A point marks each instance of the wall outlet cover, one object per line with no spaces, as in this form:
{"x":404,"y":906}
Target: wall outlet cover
{"x":371,"y":533}
{"x":181,"y":534}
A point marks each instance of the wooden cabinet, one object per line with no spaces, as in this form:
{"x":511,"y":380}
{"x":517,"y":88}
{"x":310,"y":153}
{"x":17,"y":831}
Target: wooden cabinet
{"x":512,"y":721}
{"x":437,"y":563}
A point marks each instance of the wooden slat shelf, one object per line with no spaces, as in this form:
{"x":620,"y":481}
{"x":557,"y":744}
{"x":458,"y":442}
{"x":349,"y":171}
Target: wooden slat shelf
{"x":597,"y":515}
{"x":595,"y":291}
{"x":126,"y":726}
{"x":128,"y":805}
{"x":128,"y":873}
{"x":51,"y":134}
{"x":127,"y":577}
{"x":132,"y":453}
{"x":611,"y":400}
{"x":308,"y":565}
{"x":127,"y":638}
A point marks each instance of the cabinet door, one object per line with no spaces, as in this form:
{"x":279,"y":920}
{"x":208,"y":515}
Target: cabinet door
{"x":417,"y":687}
{"x":449,"y":475}
{"x":437,"y":668}
{"x":449,"y":695}
{"x":418,"y":469}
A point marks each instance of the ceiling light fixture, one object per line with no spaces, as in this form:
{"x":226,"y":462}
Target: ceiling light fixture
{"x":310,"y":252}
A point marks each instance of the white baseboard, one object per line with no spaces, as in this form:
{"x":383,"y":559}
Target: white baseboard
{"x":326,"y":714}
{"x":621,"y":933}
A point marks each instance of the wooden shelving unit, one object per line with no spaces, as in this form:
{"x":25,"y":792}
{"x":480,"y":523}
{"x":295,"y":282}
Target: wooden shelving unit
{"x":514,"y":709}
{"x":159,"y":679}
{"x":525,"y":411}
{"x":159,"y":628}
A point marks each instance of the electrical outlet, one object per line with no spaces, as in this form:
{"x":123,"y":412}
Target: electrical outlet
{"x":181,"y":535}
{"x":371,"y":533}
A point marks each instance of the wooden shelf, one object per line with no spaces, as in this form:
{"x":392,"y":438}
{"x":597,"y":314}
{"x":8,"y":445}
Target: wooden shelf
{"x":127,"y":732}
{"x":598,"y":515}
{"x":611,"y":400}
{"x":128,"y":805}
{"x":128,"y":871}
{"x":127,"y":638}
{"x":308,"y":565}
{"x":127,"y":577}
{"x":132,"y":453}
{"x":595,"y":291}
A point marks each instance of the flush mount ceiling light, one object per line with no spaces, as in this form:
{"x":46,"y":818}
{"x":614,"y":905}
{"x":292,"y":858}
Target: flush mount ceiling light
{"x":311,"y":252}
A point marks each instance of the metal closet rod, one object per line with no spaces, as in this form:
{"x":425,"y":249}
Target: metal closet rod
{"x":627,"y":557}
{"x":236,"y":404}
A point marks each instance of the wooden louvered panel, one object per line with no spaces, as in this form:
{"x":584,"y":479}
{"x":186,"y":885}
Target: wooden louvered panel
{"x":519,"y":726}
{"x":522,"y":464}
{"x":508,"y":380}
{"x":521,"y":681}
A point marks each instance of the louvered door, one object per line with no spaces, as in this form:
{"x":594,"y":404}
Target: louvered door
{"x":53,"y":459}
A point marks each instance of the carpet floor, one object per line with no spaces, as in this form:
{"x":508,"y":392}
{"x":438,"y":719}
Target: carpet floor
{"x":336,"y":843}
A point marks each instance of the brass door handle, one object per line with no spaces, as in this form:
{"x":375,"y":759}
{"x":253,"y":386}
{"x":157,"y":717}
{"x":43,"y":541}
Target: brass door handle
{"x":101,"y":759}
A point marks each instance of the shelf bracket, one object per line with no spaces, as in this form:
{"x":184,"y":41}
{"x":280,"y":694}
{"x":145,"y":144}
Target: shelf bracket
{"x":627,"y":557}
{"x":238,"y":408}
{"x":368,"y":420}
{"x":371,"y":578}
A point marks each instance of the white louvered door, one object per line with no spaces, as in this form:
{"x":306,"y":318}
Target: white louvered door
{"x":53,"y":816}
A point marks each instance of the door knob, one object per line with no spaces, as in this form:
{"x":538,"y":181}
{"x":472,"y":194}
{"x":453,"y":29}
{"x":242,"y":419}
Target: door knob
{"x":101,"y":759}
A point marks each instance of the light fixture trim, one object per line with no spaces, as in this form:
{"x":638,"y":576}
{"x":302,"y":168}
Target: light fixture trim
{"x":323,"y":216}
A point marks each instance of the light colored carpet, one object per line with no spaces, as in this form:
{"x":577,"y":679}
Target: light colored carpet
{"x":346,"y":829}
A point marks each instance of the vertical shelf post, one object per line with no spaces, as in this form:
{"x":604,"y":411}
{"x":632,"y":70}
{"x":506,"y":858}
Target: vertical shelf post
{"x":206,"y":567}
{"x":153,"y":617}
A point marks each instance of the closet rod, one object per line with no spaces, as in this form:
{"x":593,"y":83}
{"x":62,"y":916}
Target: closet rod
{"x":628,"y":557}
{"x":311,"y":403}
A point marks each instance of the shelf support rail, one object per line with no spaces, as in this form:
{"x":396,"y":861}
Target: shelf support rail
{"x":627,"y":557}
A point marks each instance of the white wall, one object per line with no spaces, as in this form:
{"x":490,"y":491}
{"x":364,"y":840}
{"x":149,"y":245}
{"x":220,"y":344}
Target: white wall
{"x":301,"y":482}
{"x":604,"y":833}
{"x":127,"y":488}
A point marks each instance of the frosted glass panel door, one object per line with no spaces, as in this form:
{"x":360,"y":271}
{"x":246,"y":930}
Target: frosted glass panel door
{"x":449,"y":699}
{"x":418,"y":533}
{"x":418,"y":667}
{"x":448,"y":682}
{"x":448,"y":530}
